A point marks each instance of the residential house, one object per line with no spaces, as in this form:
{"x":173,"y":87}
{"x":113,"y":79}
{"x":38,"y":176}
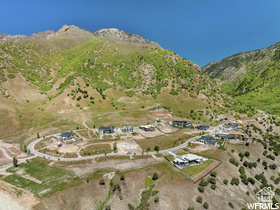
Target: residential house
{"x":232,"y":125}
{"x":182,"y":124}
{"x":106,"y":130}
{"x":238,"y":134}
{"x":224,"y":136}
{"x":209,"y":140}
{"x":202,"y":127}
{"x":187,"y":159}
{"x":127,"y":129}
{"x":67,"y":136}
{"x":147,"y":127}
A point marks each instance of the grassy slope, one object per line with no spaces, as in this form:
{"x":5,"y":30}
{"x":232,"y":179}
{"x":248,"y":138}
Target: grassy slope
{"x":137,"y":187}
{"x":120,"y":78}
{"x":172,"y":186}
{"x":251,"y":77}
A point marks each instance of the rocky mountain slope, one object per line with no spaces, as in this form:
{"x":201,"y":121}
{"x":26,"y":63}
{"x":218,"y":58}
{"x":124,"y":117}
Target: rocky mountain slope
{"x":252,"y":77}
{"x":83,"y":73}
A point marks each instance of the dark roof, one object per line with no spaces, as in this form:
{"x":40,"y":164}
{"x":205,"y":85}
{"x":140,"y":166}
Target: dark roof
{"x":207,"y":137}
{"x":106,"y":128}
{"x":226,"y":136}
{"x":67,"y":134}
{"x":181,"y":122}
{"x":232,"y":125}
{"x":202,"y":127}
{"x":208,"y":141}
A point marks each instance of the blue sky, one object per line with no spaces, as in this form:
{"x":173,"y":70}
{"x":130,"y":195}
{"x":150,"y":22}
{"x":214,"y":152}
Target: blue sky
{"x":199,"y":30}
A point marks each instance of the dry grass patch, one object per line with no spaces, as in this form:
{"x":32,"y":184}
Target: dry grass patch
{"x":96,"y":149}
{"x":84,"y":134}
{"x":164,"y":141}
{"x":43,"y":143}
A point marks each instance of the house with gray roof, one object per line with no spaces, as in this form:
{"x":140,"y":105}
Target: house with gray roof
{"x":209,"y":140}
{"x":67,"y":136}
{"x":106,"y":130}
{"x":202,"y":127}
{"x":127,"y":129}
{"x":182,"y":124}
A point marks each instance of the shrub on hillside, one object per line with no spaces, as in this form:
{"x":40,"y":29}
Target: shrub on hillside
{"x":199,"y":199}
{"x":213,"y":173}
{"x":102,"y":182}
{"x":201,"y":189}
{"x":206,"y":205}
{"x":231,"y":205}
{"x":173,"y":92}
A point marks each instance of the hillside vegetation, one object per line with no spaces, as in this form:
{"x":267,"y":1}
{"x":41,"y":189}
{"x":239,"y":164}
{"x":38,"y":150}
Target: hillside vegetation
{"x":53,"y":81}
{"x":251,"y":77}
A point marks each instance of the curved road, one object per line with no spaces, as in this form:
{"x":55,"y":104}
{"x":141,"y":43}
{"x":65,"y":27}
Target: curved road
{"x":32,"y":150}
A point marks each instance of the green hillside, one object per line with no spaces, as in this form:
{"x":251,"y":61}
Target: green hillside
{"x":88,"y":74}
{"x":102,"y":63}
{"x":251,"y":77}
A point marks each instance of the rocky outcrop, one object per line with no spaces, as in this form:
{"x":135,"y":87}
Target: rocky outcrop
{"x":2,"y":35}
{"x":15,"y":38}
{"x":72,"y":32}
{"x":123,"y":36}
{"x":41,"y":35}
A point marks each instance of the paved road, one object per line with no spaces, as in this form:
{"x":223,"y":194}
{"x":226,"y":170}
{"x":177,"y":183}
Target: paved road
{"x":32,"y":150}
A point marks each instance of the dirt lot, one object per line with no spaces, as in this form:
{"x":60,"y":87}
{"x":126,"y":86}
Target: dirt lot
{"x":166,"y":128}
{"x":148,"y":134}
{"x":162,"y":114}
{"x":195,"y":148}
{"x":121,"y":164}
{"x":15,"y":198}
{"x":8,"y":151}
{"x":125,"y":146}
{"x":51,"y":144}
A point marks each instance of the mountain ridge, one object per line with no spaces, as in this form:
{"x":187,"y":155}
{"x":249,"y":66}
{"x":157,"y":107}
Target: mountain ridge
{"x":72,"y":71}
{"x":219,"y":69}
{"x":110,"y":32}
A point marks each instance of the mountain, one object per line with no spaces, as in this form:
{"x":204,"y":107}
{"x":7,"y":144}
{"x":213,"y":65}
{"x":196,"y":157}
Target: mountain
{"x":251,"y":77}
{"x":75,"y":80}
{"x":74,"y":31}
{"x":53,"y":81}
{"x":123,"y":36}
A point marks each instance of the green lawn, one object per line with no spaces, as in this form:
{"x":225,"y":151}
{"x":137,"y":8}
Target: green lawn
{"x":181,"y":153}
{"x":192,"y":170}
{"x":170,"y":158}
{"x":96,"y":149}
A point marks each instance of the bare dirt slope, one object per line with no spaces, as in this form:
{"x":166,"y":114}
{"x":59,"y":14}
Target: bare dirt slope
{"x":176,"y":191}
{"x":14,"y":198}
